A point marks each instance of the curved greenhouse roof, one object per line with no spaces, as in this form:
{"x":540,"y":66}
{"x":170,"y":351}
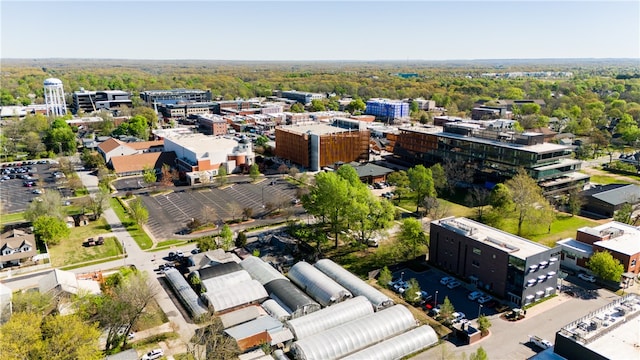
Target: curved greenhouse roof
{"x":355,"y":335}
{"x":276,"y":311}
{"x":226,"y":280}
{"x":292,"y":297}
{"x":279,"y":355}
{"x":353,"y":283}
{"x":185,"y":293}
{"x":329,"y":317}
{"x":216,"y":270}
{"x":318,"y":285}
{"x":260,"y":270}
{"x":398,"y":346}
{"x":236,"y":295}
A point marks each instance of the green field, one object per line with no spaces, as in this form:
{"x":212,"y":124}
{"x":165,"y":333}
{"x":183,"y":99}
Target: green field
{"x":70,"y":250}
{"x":564,"y":226}
{"x":142,"y":239}
{"x":11,"y":218}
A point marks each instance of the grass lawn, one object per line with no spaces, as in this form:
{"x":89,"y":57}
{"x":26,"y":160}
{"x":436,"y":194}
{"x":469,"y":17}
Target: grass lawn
{"x":168,"y":243}
{"x":454,"y":209}
{"x":142,"y":239}
{"x":564,"y":226}
{"x":70,"y":250}
{"x":604,"y":179}
{"x":11,"y":218}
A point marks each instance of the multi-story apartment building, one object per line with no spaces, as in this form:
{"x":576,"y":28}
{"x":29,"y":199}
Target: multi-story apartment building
{"x":387,"y":109}
{"x":494,"y":151}
{"x":513,"y":268}
{"x":174,"y":95}
{"x":302,"y":97}
{"x":89,"y":101}
{"x":316,"y":145}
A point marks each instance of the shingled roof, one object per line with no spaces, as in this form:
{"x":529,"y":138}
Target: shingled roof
{"x":137,"y":162}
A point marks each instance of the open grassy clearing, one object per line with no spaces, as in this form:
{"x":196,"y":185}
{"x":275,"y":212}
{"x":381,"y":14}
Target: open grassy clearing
{"x":70,"y":251}
{"x":564,"y":226}
{"x":11,"y":218}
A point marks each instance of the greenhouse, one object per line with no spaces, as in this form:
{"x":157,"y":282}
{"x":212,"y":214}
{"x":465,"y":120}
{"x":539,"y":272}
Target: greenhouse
{"x":354,"y":284}
{"x":236,"y":295}
{"x":399,"y":346}
{"x":216,"y":270}
{"x":289,"y":295}
{"x":355,"y":335}
{"x":242,"y":315}
{"x":276,"y":311}
{"x":318,"y":285}
{"x":329,"y":317}
{"x":223,"y":281}
{"x":185,"y":293}
{"x":260,"y":270}
{"x":279,"y":355}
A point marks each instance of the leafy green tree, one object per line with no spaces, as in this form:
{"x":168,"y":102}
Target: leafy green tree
{"x":262,"y":140}
{"x":221,"y":178}
{"x":527,"y":199}
{"x":99,"y":202}
{"x":605,"y":266}
{"x":135,"y":126}
{"x":446,"y":310}
{"x":32,"y":302}
{"x":317,"y":105}
{"x":91,"y":159}
{"x":356,"y":106}
{"x":400,"y":180}
{"x":329,"y":200}
{"x":480,"y":354}
{"x":148,"y":113}
{"x":385,"y":277}
{"x":49,"y":204}
{"x":297,"y":108}
{"x":414,"y":107}
{"x":241,"y":239}
{"x":623,"y":215}
{"x":367,"y":214}
{"x":411,"y":237}
{"x":50,"y":229}
{"x":226,"y":238}
{"x":30,"y":336}
{"x":421,"y":183}
{"x":149,"y":175}
{"x":254,"y":172}
{"x":574,"y":202}
{"x":484,"y":324}
{"x":413,"y":292}
{"x":139,"y":212}
{"x":439,"y":178}
{"x":60,"y":137}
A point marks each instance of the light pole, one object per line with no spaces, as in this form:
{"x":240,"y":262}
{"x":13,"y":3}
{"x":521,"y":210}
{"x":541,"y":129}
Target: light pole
{"x":479,"y":310}
{"x":402,"y":276}
{"x":435,"y":304}
{"x":263,"y":197}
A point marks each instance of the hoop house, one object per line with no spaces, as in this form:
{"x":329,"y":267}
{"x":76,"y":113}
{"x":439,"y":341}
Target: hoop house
{"x":399,"y":346}
{"x":318,"y":285}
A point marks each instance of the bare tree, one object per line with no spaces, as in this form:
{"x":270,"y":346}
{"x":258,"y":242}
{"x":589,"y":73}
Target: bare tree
{"x":210,"y":342}
{"x":457,"y":172}
{"x":208,"y":214}
{"x":478,"y":198}
{"x":234,"y":209}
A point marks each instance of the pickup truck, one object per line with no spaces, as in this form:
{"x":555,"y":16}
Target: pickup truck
{"x":540,"y":342}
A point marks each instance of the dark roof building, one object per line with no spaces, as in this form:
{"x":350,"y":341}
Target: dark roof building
{"x":605,"y":200}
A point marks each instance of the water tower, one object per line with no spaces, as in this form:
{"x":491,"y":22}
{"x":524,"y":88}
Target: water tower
{"x":54,"y":97}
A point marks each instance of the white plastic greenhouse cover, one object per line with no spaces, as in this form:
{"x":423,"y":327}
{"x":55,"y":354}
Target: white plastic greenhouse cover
{"x":399,"y":346}
{"x":260,"y":270}
{"x":318,"y":285}
{"x":353,"y":283}
{"x":223,"y":281}
{"x":354,"y":335}
{"x":279,"y":355}
{"x":276,"y":310}
{"x":329,"y":317}
{"x":185,"y":293}
{"x":236,"y":295}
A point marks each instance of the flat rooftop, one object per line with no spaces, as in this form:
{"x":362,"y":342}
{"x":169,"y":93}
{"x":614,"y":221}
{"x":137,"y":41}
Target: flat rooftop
{"x":612,"y":331}
{"x":538,"y":148}
{"x":509,"y":243}
{"x":625,"y":239}
{"x":202,"y":144}
{"x":315,"y":129}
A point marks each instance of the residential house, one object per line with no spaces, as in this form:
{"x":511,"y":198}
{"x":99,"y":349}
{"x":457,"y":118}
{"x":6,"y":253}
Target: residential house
{"x":16,"y":247}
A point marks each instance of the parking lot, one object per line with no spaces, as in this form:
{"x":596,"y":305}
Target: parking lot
{"x":169,"y":213}
{"x":15,"y":196}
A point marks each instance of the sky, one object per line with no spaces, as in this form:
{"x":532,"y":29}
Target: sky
{"x":319,"y":30}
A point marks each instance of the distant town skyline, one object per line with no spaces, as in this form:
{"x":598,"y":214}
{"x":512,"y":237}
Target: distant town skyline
{"x":319,"y":30}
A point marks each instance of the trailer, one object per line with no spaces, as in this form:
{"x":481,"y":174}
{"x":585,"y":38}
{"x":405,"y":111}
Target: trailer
{"x":540,"y":342}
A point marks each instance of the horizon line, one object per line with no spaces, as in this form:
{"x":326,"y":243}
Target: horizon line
{"x":325,"y":60}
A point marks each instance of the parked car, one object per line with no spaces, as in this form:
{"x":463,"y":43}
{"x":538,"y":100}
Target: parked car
{"x":484,"y":299}
{"x":153,"y":354}
{"x":447,"y":279}
{"x":458,"y":317}
{"x":37,"y":191}
{"x":453,"y":284}
{"x":474,"y":295}
{"x":587,"y":277}
{"x":196,"y":250}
